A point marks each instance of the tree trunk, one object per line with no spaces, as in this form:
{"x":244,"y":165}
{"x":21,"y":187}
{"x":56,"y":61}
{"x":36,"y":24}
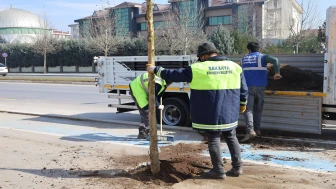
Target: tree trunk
{"x":45,"y":60}
{"x":154,"y":151}
{"x":106,"y":45}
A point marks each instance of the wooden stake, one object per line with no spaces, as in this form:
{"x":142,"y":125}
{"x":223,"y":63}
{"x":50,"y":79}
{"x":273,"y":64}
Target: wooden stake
{"x":154,"y":151}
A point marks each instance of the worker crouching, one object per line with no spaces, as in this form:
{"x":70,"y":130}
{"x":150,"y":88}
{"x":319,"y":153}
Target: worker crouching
{"x":139,"y":93}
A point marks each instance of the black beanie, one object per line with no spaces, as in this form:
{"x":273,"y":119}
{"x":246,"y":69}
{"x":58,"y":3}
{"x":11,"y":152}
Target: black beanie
{"x":206,"y":48}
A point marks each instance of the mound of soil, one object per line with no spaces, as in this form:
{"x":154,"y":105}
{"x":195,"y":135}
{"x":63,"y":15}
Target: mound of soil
{"x":294,"y":79}
{"x":177,"y":163}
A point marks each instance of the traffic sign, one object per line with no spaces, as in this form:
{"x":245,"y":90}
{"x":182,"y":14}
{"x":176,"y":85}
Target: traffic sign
{"x":5,"y":55}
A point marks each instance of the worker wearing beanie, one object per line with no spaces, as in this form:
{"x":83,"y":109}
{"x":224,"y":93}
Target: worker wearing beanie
{"x":218,"y":94}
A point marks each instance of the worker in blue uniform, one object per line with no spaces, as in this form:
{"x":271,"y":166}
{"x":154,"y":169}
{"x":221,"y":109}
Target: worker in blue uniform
{"x":218,"y":92}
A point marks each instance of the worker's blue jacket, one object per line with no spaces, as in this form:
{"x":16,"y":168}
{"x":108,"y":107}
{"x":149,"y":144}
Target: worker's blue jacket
{"x":218,"y":88}
{"x":255,"y":70}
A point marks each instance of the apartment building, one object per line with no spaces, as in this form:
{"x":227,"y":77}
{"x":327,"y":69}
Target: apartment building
{"x":74,"y":30}
{"x":265,"y":19}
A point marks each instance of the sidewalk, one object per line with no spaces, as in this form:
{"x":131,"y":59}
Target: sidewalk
{"x":38,"y":161}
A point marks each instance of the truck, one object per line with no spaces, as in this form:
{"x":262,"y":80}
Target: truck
{"x":294,"y":111}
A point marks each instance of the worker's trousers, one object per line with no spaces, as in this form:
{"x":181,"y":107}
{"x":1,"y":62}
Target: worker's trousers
{"x":214,"y":145}
{"x":143,"y":113}
{"x":254,"y":107}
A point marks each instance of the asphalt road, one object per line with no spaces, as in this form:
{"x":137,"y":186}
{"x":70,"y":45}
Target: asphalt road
{"x":61,"y":99}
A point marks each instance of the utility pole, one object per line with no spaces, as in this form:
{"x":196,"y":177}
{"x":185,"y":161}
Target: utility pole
{"x":154,"y":151}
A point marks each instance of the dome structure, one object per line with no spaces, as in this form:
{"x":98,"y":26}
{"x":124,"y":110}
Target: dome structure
{"x":19,"y":26}
{"x":19,"y":18}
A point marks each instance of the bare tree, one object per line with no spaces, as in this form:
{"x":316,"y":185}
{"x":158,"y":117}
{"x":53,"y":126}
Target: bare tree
{"x":248,"y":20}
{"x":45,"y":42}
{"x":166,"y":33}
{"x":102,"y":35}
{"x":182,"y":30}
{"x":300,"y":22}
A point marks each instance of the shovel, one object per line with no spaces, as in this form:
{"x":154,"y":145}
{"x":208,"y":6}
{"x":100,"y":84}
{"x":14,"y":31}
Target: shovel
{"x":163,"y":137}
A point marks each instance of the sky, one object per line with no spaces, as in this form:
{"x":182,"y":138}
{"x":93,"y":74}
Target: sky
{"x":62,"y":13}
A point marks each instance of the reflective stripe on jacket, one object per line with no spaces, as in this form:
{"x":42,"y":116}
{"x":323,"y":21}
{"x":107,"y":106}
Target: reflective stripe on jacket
{"x":139,"y":87}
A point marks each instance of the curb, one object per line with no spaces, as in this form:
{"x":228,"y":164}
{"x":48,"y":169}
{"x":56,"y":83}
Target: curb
{"x":74,"y":118}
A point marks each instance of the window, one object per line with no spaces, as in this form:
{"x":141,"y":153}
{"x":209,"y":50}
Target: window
{"x":220,"y":20}
{"x":12,"y":31}
{"x":122,"y":21}
{"x":158,"y":24}
{"x":143,"y":26}
{"x":20,"y":31}
{"x":4,"y":32}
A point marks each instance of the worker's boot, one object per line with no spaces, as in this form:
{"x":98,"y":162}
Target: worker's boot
{"x":143,"y":133}
{"x":234,"y":172}
{"x":248,"y":136}
{"x":258,"y":132}
{"x":213,"y":175}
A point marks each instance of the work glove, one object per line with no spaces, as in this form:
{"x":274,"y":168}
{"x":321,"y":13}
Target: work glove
{"x":277,"y":76}
{"x":242,"y":109}
{"x":150,"y":68}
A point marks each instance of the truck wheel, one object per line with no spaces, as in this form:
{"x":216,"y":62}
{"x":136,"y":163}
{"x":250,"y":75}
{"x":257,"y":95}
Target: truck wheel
{"x":175,"y":113}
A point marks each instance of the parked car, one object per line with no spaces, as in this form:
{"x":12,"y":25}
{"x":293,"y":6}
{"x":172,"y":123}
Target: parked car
{"x":3,"y":69}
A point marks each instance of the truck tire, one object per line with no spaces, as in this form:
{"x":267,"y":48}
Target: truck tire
{"x":175,"y":113}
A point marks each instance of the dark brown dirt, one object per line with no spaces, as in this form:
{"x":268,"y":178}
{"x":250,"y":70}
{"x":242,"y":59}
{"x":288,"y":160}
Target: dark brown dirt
{"x":266,"y":143}
{"x":177,"y":163}
{"x":294,"y":79}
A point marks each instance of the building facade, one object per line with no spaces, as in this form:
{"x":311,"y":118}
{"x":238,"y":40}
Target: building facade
{"x":74,"y":28}
{"x":264,"y":19}
{"x":60,"y":34}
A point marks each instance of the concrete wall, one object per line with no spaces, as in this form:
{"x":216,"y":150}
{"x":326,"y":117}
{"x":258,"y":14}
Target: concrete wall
{"x":218,"y":12}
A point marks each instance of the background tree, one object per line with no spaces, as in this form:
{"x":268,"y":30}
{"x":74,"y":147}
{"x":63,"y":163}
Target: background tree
{"x":308,"y":20}
{"x":241,"y":40}
{"x":134,"y":47}
{"x":2,"y":40}
{"x":102,"y":35}
{"x":248,"y":20}
{"x":166,"y":38}
{"x":183,"y":28}
{"x":45,"y":42}
{"x":222,"y":39}
{"x":321,"y":36}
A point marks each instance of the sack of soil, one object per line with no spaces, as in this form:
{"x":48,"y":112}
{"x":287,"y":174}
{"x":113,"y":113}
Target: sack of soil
{"x":294,"y":79}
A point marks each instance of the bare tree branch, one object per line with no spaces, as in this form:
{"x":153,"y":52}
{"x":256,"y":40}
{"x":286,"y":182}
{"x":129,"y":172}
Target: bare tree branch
{"x":45,"y":42}
{"x":183,"y":27}
{"x":102,"y":35}
{"x":308,"y":20}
